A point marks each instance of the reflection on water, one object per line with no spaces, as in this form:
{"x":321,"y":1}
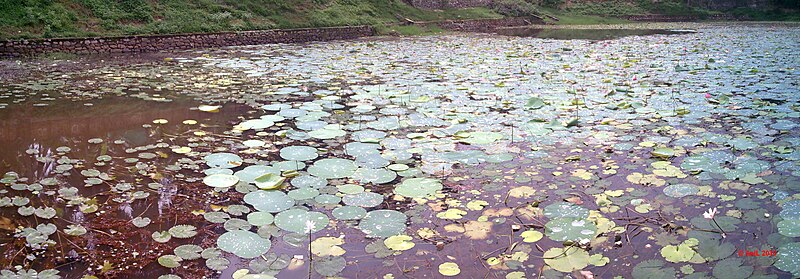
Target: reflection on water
{"x":585,"y":34}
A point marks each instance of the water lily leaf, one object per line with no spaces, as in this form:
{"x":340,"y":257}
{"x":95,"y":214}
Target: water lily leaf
{"x":75,"y":230}
{"x":399,"y":242}
{"x":332,"y":168}
{"x":789,"y":227}
{"x":269,"y":201}
{"x":217,"y":264}
{"x":374,"y":176}
{"x":349,"y":213}
{"x":363,"y":199}
{"x":681,"y":190}
{"x":299,"y":153}
{"x":221,"y":180}
{"x":567,"y":259}
{"x":712,"y":250}
{"x":301,"y":221}
{"x":534,"y":103}
{"x":259,"y":219}
{"x":449,"y":269}
{"x":383,"y":223}
{"x":565,"y":209}
{"x":562,"y":229}
{"x":183,"y":231}
{"x":732,"y":268}
{"x":141,"y":222}
{"x":162,"y":236}
{"x":482,"y":138}
{"x":243,"y":244}
{"x":653,"y":269}
{"x":269,"y":181}
{"x":223,"y":160}
{"x":789,"y":258}
{"x":45,"y":212}
{"x":169,"y":261}
{"x":531,"y":236}
{"x":677,"y":253}
{"x":329,"y":266}
{"x":418,"y":187}
{"x":663,"y":152}
{"x":327,"y":246}
{"x":188,"y":251}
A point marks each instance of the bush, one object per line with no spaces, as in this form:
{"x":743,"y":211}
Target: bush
{"x":515,"y":8}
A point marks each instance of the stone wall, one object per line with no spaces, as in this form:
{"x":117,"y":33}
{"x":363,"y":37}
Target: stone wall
{"x":125,"y":44}
{"x":448,"y":4}
{"x":182,"y":41}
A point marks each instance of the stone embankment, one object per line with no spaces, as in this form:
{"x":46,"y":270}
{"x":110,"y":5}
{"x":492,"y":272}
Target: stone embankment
{"x":149,"y":43}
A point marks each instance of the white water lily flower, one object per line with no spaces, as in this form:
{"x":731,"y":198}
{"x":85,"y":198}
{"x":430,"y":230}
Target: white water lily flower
{"x":710,"y":213}
{"x":310,"y":226}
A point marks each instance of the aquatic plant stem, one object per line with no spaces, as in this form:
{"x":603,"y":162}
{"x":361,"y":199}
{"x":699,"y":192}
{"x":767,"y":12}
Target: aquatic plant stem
{"x":718,"y":226}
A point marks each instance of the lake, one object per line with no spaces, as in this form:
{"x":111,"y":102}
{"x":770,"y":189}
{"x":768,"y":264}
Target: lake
{"x":635,"y":151}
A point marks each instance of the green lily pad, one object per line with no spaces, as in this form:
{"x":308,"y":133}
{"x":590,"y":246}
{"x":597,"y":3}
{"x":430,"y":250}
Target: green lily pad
{"x":269,"y":201}
{"x":567,"y":259}
{"x":565,"y":210}
{"x":681,"y":190}
{"x":534,"y":103}
{"x":301,"y":221}
{"x":363,"y":199}
{"x":250,"y":173}
{"x":183,"y":231}
{"x":329,"y":266}
{"x":374,"y":176}
{"x":653,"y":269}
{"x":244,"y":244}
{"x":223,"y":160}
{"x":789,"y":258}
{"x":169,"y":261}
{"x":188,"y":251}
{"x":269,"y":181}
{"x":789,"y":227}
{"x":383,"y":223}
{"x":419,"y":187}
{"x":221,"y":180}
{"x":562,"y":229}
{"x":677,"y":253}
{"x":333,"y":168}
{"x":482,"y":137}
{"x":299,"y":153}
{"x":733,"y":268}
{"x":259,"y":219}
{"x":349,"y":213}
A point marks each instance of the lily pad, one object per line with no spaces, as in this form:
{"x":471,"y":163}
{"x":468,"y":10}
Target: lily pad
{"x":221,"y":180}
{"x":333,"y":168}
{"x":269,"y":201}
{"x":223,"y":160}
{"x":418,"y":187}
{"x":383,"y":223}
{"x":244,"y":244}
{"x":301,"y":221}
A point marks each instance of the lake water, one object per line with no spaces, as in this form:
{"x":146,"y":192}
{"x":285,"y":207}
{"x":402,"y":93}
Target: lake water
{"x":596,"y":151}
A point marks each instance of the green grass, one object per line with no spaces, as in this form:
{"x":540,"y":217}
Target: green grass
{"x":75,"y":18}
{"x":565,"y":18}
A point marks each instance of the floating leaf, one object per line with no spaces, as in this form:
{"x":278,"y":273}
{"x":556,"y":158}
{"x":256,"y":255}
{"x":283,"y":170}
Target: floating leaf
{"x":449,"y":269}
{"x":297,"y":221}
{"x":244,"y":244}
{"x":399,"y":242}
{"x":183,"y":231}
{"x":327,"y":246}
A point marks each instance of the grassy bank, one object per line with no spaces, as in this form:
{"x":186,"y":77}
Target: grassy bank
{"x":77,"y":18}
